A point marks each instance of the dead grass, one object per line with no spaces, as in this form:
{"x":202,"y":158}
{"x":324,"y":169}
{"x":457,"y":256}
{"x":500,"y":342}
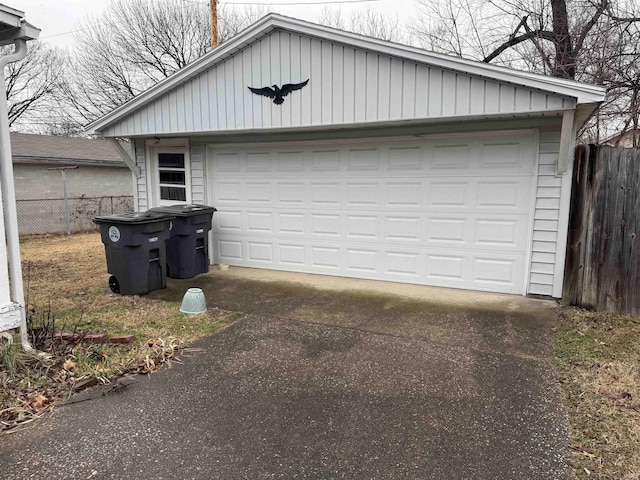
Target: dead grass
{"x":69,"y":275}
{"x":599,"y":359}
{"x":67,"y":287}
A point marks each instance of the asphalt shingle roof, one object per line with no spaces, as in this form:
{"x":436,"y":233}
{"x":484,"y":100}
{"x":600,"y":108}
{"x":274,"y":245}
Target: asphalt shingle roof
{"x":27,"y":147}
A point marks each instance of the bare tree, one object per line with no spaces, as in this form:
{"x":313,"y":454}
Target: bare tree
{"x":595,"y":41}
{"x":367,"y":22}
{"x":33,"y":83}
{"x":232,"y":21}
{"x":137,"y":43}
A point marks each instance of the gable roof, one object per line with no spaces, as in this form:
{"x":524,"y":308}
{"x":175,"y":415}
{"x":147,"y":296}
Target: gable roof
{"x":30,"y":148}
{"x":583,"y":94}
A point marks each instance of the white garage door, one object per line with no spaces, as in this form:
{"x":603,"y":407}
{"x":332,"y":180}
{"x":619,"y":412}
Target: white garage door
{"x":441,"y":211}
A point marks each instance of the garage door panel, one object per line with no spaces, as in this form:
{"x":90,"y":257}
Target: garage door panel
{"x":502,"y":155}
{"x":291,"y":223}
{"x":401,"y":264}
{"x":448,"y":194}
{"x":325,"y":160}
{"x":362,"y":260}
{"x":508,"y":155}
{"x":448,"y":156}
{"x":420,"y":213}
{"x":290,"y":161}
{"x":326,"y":225}
{"x":259,"y":193}
{"x":405,"y":158}
{"x":291,"y":193}
{"x":226,"y":192}
{"x":402,"y":229}
{"x":497,"y":270}
{"x":449,"y":267}
{"x":325,"y":194}
{"x":261,"y":252}
{"x":325,"y":257}
{"x":508,"y":195}
{"x":291,"y":254}
{"x":446,"y":231}
{"x":230,"y":250}
{"x":362,"y":194}
{"x":362,"y":227}
{"x":228,"y":163}
{"x":258,"y":162}
{"x":363,"y":159}
{"x":403,"y":195}
{"x":508,"y":234}
{"x":228,"y":221}
{"x":260,"y":222}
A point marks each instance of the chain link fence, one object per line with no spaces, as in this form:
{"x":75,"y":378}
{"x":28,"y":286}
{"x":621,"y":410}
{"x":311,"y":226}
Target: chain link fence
{"x":49,"y":215}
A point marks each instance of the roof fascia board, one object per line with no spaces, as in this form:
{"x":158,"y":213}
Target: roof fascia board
{"x":205,"y":62}
{"x":10,"y":16}
{"x":584,"y":93}
{"x":363,"y":126}
{"x":66,"y":161}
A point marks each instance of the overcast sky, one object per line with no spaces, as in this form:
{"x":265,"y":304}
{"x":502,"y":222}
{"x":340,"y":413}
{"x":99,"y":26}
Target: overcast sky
{"x":58,"y":17}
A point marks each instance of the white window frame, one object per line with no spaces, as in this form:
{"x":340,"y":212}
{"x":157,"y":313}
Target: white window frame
{"x":155,"y":174}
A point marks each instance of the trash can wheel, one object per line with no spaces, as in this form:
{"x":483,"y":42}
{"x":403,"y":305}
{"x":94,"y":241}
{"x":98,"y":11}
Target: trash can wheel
{"x":113,"y":284}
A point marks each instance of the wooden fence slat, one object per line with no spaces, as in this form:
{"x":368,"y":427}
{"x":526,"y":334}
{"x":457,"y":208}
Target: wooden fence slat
{"x":602,"y":270}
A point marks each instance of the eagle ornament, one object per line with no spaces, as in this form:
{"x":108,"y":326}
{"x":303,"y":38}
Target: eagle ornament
{"x":278,"y":93}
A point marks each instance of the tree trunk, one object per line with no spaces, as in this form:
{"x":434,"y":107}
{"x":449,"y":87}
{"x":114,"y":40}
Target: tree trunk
{"x":565,"y":61}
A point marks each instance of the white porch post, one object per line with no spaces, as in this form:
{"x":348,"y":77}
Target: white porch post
{"x":14,"y":30}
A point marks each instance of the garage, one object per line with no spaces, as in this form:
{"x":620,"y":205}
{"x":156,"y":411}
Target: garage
{"x":379,"y":161}
{"x":447,"y":211}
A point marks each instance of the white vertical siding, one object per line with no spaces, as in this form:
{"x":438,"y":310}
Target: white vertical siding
{"x":346,"y":85}
{"x":546,"y":216}
{"x":140,"y":185}
{"x":196,"y":157}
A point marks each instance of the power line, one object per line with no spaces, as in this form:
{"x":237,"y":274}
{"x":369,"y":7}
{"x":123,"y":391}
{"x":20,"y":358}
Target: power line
{"x":66,"y":33}
{"x":292,"y":4}
{"x":301,"y":4}
{"x":265,"y":4}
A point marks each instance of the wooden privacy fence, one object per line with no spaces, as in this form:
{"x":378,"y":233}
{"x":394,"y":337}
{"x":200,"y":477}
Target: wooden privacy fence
{"x":602,"y":269}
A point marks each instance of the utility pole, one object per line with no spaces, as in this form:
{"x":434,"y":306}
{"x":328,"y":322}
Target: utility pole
{"x":214,"y":23}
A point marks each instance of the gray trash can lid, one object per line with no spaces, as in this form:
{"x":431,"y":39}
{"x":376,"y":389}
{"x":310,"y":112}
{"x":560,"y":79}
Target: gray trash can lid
{"x":134,"y":218}
{"x":182,"y":210}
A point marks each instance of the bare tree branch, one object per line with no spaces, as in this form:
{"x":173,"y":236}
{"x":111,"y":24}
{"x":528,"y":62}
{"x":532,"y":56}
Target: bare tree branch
{"x":32,"y":83}
{"x":136,"y":43}
{"x":513,"y":41}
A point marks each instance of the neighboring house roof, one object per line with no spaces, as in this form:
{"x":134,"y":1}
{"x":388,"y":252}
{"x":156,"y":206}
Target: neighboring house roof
{"x":58,"y":150}
{"x":586,"y":96}
{"x":623,"y":139}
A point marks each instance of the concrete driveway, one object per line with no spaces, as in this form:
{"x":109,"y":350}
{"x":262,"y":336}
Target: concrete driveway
{"x":326,"y":378}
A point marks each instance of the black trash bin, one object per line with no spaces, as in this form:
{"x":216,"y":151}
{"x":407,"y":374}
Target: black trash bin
{"x":187,"y":247}
{"x":134,"y":244}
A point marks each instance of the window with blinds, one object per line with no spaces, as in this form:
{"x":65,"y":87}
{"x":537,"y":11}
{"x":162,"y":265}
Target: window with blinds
{"x":173,"y":177}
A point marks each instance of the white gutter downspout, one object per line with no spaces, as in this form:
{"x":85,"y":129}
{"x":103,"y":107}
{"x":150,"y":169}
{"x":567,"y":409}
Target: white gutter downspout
{"x":9,"y":228}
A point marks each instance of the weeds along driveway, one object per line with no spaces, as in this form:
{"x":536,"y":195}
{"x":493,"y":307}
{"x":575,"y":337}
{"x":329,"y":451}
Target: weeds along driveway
{"x":326,"y":383}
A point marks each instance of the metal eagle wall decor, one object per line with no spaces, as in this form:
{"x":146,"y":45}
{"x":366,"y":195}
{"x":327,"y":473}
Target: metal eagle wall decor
{"x":278,"y":93}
